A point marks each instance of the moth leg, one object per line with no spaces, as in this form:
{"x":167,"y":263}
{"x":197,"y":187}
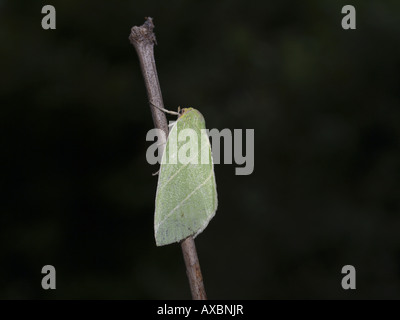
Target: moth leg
{"x":165,"y":110}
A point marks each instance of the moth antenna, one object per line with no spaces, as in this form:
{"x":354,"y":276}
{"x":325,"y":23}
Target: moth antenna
{"x":165,"y":110}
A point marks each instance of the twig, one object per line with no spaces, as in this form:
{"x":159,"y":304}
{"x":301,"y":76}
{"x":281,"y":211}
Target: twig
{"x":143,"y":39}
{"x":193,"y":269}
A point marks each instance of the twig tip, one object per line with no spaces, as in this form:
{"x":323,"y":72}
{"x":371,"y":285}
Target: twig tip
{"x":144,"y":33}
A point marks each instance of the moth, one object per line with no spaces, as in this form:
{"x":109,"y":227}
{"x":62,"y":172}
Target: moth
{"x":186,"y":197}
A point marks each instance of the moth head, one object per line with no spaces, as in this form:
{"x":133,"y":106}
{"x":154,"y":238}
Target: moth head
{"x":183,"y":111}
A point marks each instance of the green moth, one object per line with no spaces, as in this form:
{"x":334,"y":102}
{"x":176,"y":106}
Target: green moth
{"x":186,"y":198}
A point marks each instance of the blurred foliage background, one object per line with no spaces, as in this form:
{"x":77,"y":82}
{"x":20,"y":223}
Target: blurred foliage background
{"x":77,"y":192}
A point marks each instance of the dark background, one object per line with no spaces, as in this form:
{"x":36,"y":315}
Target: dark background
{"x":77,"y":192}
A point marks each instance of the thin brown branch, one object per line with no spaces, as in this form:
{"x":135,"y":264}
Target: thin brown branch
{"x":193,"y":270}
{"x":143,"y":39}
